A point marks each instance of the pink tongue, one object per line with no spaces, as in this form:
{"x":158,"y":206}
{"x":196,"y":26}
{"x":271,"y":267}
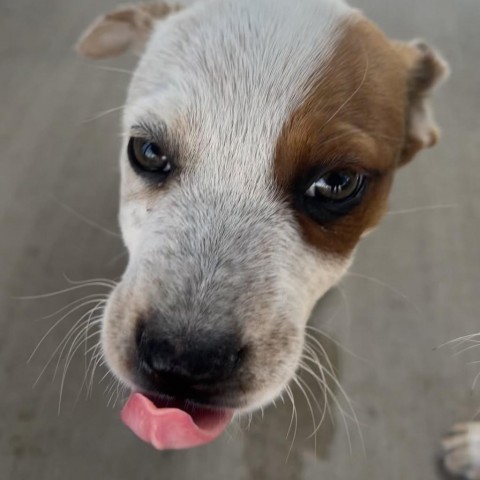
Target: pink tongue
{"x":173,"y":428}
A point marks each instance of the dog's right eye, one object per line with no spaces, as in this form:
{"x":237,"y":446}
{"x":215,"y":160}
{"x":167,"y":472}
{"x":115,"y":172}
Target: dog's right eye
{"x":148,"y":158}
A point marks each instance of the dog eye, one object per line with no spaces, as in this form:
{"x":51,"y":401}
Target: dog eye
{"x":335,"y":186}
{"x":147,"y":157}
{"x":333,"y":194}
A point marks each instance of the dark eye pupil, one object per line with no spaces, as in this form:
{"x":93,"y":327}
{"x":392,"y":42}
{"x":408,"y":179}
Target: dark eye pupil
{"x":148,"y":157}
{"x":338,"y":181}
{"x":335,"y":186}
{"x":152,"y":157}
{"x":151,"y":151}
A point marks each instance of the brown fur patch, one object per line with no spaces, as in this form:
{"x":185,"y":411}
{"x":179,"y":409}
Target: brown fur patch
{"x":353,"y":117}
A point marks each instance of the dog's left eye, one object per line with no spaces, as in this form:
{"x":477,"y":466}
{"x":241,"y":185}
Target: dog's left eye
{"x":335,"y":186}
{"x":333,"y":194}
{"x":147,"y":157}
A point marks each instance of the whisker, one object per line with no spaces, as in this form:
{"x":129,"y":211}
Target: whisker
{"x":423,"y":209}
{"x":77,"y":331}
{"x":86,"y":220}
{"x":466,"y":349}
{"x":74,"y":346}
{"x":131,"y":73}
{"x":100,"y":316}
{"x":104,"y":113}
{"x":104,"y":281}
{"x":388,"y":287}
{"x":50,"y":330}
{"x":330,"y":373}
{"x":347,"y":307}
{"x":114,"y":69}
{"x":115,"y":384}
{"x":94,"y":347}
{"x":320,"y":378}
{"x":88,"y":367}
{"x":73,"y":349}
{"x":104,"y":377}
{"x":460,"y":340}
{"x":65,"y":290}
{"x":343,"y":414}
{"x":477,"y":376}
{"x":99,"y":362}
{"x":335,"y":342}
{"x":116,"y":258}
{"x":294,"y":417}
{"x":76,"y":326}
{"x":321,"y":383}
{"x":299,"y":385}
{"x":96,"y":296}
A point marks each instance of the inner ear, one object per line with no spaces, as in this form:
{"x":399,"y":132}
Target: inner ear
{"x":426,"y":70}
{"x":126,"y":28}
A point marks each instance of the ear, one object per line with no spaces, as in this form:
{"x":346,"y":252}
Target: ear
{"x":127,"y":28}
{"x":426,"y":70}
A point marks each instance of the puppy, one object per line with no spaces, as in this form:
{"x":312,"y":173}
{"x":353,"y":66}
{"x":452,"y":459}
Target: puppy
{"x":261,"y":139}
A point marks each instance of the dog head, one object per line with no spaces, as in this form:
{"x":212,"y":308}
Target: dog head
{"x":260,"y":143}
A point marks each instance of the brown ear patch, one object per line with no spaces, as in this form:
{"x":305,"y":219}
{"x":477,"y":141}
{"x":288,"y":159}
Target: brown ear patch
{"x":124,"y":29}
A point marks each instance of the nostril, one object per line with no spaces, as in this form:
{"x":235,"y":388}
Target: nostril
{"x":238,"y":358}
{"x":140,"y":336}
{"x":153,"y":353}
{"x":157,"y":356}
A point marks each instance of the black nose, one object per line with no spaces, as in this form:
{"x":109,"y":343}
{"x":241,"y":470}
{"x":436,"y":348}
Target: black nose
{"x":182,"y":365}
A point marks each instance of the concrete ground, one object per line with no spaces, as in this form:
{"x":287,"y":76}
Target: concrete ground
{"x":415,"y":283}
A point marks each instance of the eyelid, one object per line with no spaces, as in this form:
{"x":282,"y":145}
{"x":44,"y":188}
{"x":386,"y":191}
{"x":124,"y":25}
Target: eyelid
{"x":137,"y":132}
{"x":156,"y":132}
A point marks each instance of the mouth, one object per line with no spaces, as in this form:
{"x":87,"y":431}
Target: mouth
{"x":171,"y":424}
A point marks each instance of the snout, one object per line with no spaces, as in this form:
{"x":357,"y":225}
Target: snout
{"x":212,"y":306}
{"x":193,"y":364}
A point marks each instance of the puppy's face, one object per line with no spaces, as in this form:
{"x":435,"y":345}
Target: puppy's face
{"x":261,"y":140}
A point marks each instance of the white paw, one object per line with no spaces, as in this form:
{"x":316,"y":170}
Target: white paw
{"x":461,"y":450}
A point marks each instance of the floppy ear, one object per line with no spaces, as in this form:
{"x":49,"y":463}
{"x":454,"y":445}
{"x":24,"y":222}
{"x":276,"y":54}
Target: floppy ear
{"x":126,"y":28}
{"x":426,"y":70}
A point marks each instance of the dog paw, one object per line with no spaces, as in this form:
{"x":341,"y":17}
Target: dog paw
{"x":461,"y":451}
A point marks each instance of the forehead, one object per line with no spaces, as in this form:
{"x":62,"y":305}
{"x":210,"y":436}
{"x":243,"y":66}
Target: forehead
{"x":248,"y":63}
{"x":257,"y":66}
